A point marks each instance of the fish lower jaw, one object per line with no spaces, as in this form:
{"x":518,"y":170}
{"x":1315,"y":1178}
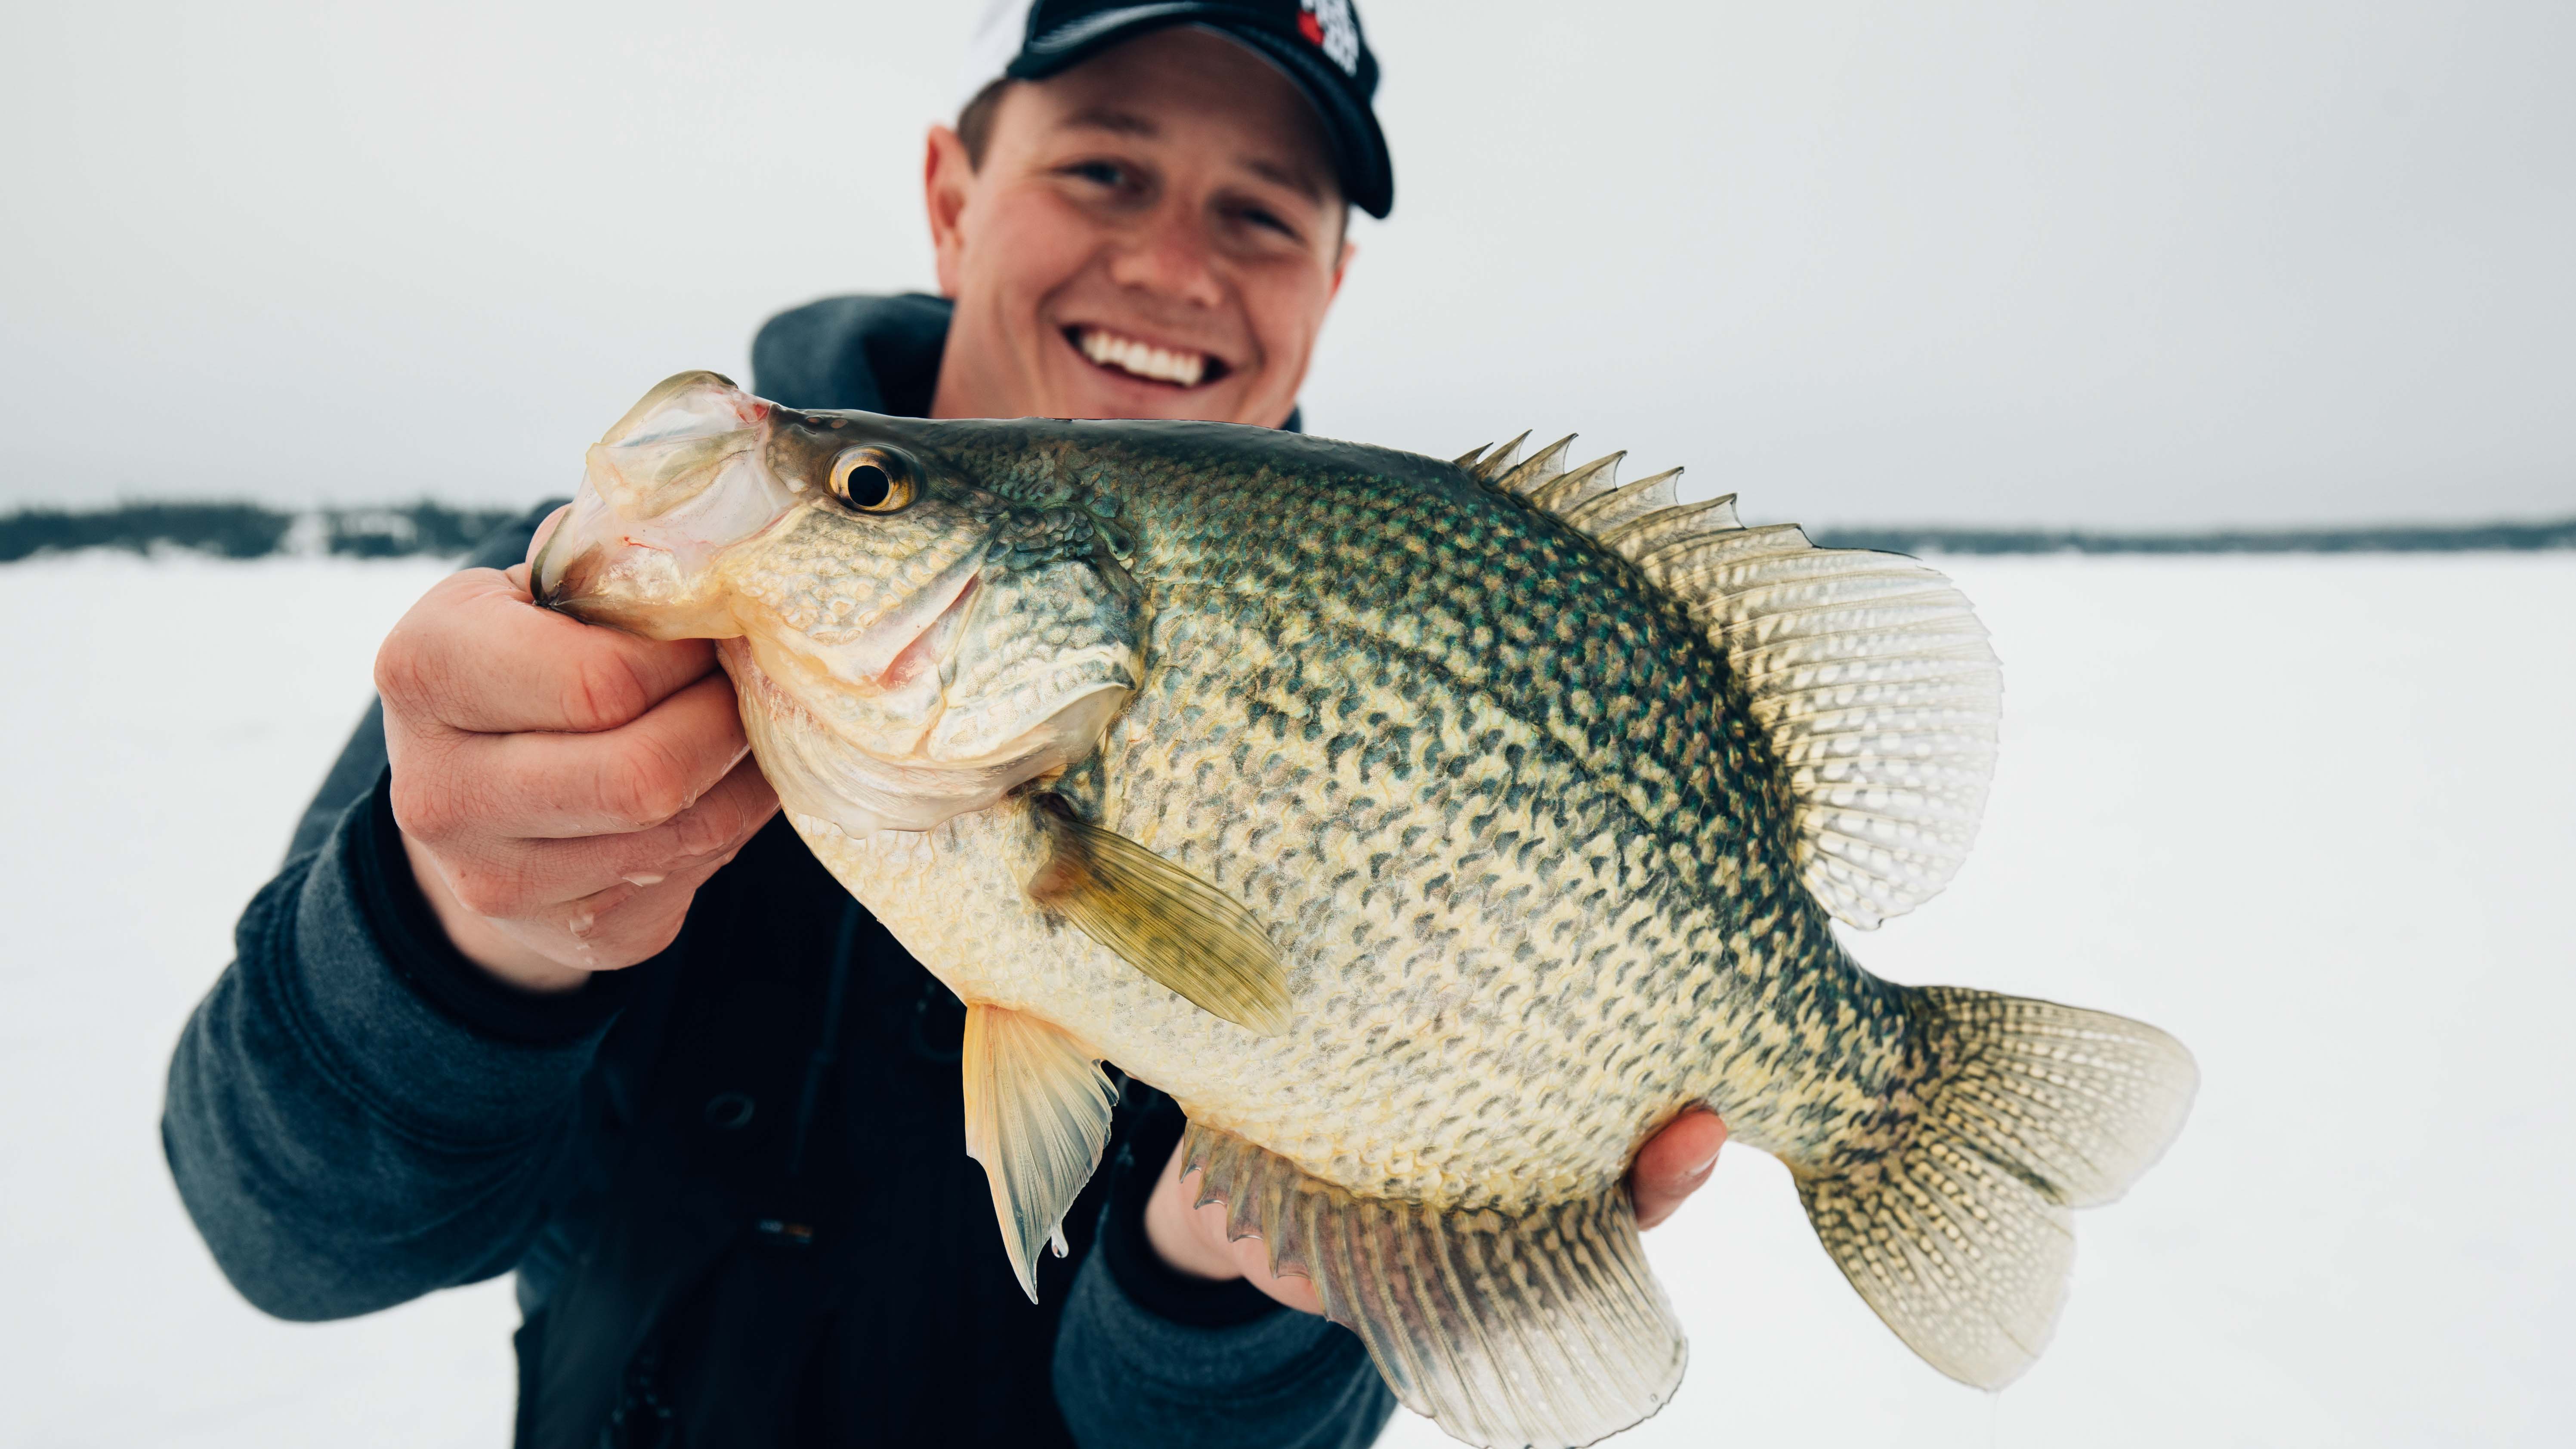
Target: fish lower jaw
{"x":883,"y":840}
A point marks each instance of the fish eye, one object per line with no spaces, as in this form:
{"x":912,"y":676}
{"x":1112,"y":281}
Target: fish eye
{"x":875,"y":480}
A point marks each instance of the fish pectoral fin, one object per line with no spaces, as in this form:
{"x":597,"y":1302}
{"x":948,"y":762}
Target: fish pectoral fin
{"x":1037,"y":1118}
{"x":1544,"y":1327}
{"x":1176,"y":928}
{"x":1959,"y":1238}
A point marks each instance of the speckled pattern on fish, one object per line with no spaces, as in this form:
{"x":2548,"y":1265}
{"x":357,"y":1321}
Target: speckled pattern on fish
{"x":1533,"y":795}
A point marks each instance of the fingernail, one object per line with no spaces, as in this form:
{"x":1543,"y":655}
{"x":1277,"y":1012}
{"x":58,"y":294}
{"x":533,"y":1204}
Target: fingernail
{"x":1706,"y":1163}
{"x":642,"y":880}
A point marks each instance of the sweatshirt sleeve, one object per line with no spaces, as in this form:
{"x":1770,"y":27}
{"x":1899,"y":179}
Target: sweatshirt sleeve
{"x":356,"y":1114}
{"x":1146,"y":1355}
{"x":347,"y":1129}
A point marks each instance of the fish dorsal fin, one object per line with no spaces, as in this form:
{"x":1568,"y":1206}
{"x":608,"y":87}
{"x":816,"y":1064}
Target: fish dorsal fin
{"x":1639,"y":534}
{"x":1167,"y":923}
{"x":1560,"y":494}
{"x":1868,"y":671}
{"x":1037,"y":1117}
{"x":1496,"y":460}
{"x":1542,"y":467}
{"x":1879,"y":692}
{"x":1597,"y":513}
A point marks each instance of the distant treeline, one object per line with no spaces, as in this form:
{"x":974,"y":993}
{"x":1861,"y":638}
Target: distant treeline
{"x":249,"y":530}
{"x":2393,"y":538}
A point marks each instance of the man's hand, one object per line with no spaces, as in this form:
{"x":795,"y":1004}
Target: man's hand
{"x":563,"y":790}
{"x":1670,"y":1167}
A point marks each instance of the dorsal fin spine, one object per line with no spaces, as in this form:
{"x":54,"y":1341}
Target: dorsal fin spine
{"x":1642,"y":535}
{"x":1601,"y":513}
{"x":1574,"y":485}
{"x":1492,"y":465}
{"x":1542,"y":466}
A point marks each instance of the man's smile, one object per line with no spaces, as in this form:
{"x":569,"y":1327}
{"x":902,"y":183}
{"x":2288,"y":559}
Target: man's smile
{"x":1134,"y":357}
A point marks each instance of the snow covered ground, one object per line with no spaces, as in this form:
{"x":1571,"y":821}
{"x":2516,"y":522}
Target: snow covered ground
{"x":2315,"y":816}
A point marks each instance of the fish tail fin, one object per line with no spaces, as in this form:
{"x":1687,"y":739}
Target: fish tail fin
{"x":1541,"y":1328}
{"x":1960,"y":1237}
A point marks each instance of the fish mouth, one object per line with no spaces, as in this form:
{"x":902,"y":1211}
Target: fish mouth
{"x":598,"y":569}
{"x":1135,"y":359}
{"x":569,"y":566}
{"x":934,"y":639}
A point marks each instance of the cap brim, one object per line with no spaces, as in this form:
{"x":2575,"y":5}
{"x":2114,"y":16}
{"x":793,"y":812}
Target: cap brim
{"x":1359,"y":148}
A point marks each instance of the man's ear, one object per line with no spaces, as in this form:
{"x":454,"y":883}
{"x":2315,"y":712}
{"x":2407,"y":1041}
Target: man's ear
{"x":1341,"y":264}
{"x":947,"y":177}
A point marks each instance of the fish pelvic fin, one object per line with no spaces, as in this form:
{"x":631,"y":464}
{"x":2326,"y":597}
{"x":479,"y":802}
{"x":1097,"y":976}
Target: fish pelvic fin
{"x":1179,"y":930}
{"x":1960,"y":1237}
{"x":1037,"y":1118}
{"x":1541,"y":1328}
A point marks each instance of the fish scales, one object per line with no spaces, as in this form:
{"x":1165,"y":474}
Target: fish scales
{"x":1429,"y":848}
{"x":1458,"y":876}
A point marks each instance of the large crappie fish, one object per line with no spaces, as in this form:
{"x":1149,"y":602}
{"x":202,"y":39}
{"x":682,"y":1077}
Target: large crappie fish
{"x":1432,"y":832}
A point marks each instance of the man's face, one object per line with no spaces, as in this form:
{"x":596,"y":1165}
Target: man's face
{"x":1155,"y":233}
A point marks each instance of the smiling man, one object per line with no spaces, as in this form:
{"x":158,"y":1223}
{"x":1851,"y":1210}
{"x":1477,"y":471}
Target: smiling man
{"x":545,"y":987}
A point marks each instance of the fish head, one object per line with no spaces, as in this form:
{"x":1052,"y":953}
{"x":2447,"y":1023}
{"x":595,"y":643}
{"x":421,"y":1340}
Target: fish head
{"x":908,"y":643}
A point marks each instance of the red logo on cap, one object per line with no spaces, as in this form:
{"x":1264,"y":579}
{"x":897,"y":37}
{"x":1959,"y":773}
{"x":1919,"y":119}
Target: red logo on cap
{"x":1331,"y":28}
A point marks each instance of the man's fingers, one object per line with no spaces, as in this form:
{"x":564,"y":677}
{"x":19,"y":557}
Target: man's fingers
{"x":543,"y":786}
{"x":1673,"y":1164}
{"x":514,"y":879}
{"x":537,"y":541}
{"x":680,"y":852}
{"x":476,"y":656}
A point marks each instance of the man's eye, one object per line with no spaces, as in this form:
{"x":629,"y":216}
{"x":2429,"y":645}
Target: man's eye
{"x":1260,"y":218}
{"x":1101,"y":173}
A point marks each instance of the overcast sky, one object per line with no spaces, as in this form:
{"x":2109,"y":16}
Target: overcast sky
{"x":2126,"y":263}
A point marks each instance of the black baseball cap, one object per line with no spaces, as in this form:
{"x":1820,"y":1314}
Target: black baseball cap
{"x":1316,"y":43}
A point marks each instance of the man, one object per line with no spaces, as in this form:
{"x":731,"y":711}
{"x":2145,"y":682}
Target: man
{"x":544,"y":986}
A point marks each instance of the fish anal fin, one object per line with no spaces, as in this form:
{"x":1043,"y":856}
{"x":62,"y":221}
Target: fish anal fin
{"x":1037,"y":1118}
{"x":1177,"y":929}
{"x":1959,"y":1237}
{"x":1543,"y":1327}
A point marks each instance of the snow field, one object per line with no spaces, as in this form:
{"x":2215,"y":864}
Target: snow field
{"x":2315,"y":816}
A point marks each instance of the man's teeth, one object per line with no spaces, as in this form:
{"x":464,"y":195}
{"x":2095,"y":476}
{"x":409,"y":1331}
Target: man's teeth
{"x":1142,"y":358}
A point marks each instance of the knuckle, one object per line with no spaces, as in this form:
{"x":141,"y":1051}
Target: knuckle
{"x":645,"y":787}
{"x":408,"y":662}
{"x":704,"y":832}
{"x":487,"y":889}
{"x":424,"y":809}
{"x":601,"y":692}
{"x":402,"y":671}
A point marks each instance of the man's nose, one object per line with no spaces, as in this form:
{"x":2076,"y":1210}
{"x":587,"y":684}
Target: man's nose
{"x":1170,"y":256}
